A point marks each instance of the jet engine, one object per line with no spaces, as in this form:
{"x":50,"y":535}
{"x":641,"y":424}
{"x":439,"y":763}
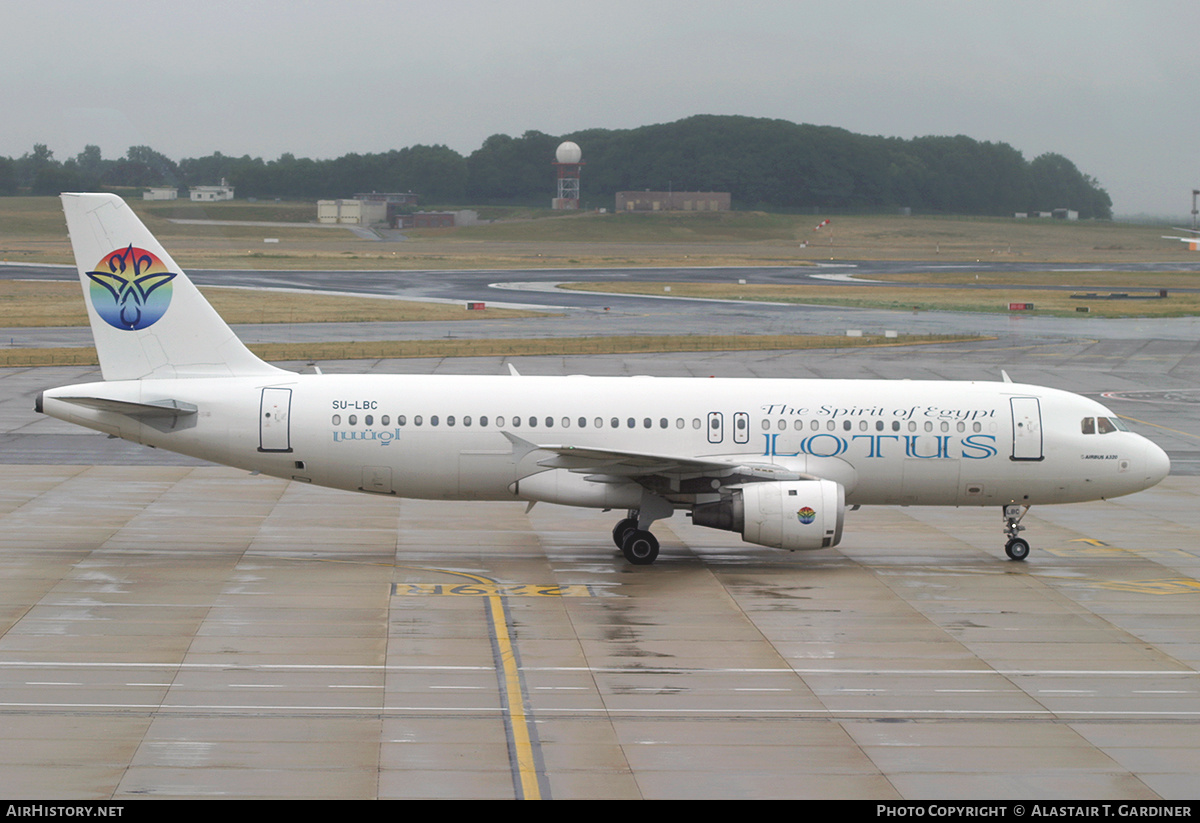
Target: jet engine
{"x":796,"y":515}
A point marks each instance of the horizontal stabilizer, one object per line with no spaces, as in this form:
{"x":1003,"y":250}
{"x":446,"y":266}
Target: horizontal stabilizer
{"x":157,"y":408}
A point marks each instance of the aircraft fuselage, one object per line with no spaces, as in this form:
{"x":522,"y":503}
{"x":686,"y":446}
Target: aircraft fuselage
{"x":438,"y":437}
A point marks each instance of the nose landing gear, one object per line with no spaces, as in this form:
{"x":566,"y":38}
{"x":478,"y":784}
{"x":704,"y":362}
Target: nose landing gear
{"x":1017,"y":548}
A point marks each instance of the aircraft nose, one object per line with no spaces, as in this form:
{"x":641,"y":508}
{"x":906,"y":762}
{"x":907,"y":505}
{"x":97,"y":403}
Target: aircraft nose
{"x":1157,"y":464}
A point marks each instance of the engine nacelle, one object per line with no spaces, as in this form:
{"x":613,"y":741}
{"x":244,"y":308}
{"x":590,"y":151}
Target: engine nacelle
{"x":797,"y":515}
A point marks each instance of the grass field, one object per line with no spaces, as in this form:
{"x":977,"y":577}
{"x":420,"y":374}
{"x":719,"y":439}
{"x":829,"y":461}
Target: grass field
{"x":25,"y":304}
{"x":516,"y":347}
{"x":32,"y":230}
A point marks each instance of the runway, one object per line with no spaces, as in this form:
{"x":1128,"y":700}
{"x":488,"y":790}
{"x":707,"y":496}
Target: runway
{"x":581,"y":313}
{"x":174,"y":629}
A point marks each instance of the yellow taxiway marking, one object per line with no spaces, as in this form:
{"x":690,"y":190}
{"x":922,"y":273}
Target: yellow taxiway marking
{"x":520,"y":724}
{"x":491,"y":590}
{"x":1181,"y":585}
{"x":1096,"y":548}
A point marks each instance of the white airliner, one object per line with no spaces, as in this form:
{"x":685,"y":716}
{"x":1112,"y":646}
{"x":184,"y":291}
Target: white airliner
{"x":1193,"y":242}
{"x":778,"y":461}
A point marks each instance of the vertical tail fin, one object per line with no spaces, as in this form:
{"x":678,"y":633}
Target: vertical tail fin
{"x":148,"y":319}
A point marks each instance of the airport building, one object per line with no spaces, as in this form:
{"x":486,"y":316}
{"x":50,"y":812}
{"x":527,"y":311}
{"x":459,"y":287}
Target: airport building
{"x":673,"y":201}
{"x":161,"y":193}
{"x":397,"y":203}
{"x":393,"y":198}
{"x":436,"y":219}
{"x":352,"y":212}
{"x":209,"y":194}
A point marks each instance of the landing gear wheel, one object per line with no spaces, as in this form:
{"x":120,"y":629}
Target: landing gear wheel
{"x":623,"y":528}
{"x":1017,"y":548}
{"x":640,"y":547}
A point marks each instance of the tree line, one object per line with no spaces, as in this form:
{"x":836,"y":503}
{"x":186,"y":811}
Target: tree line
{"x":764,"y":164}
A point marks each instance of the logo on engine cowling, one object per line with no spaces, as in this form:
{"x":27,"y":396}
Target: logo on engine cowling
{"x":806,"y":515}
{"x":131,"y":288}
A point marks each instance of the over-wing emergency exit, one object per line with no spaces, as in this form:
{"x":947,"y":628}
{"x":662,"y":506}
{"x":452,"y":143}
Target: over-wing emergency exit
{"x":777,"y":461}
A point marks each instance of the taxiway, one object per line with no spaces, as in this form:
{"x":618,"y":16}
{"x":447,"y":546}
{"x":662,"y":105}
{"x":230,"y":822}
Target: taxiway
{"x":174,"y":629}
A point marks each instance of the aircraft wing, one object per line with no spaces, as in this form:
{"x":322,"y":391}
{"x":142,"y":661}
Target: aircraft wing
{"x":588,"y":459}
{"x":611,"y":461}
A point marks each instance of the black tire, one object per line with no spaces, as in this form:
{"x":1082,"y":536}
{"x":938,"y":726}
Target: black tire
{"x":1017,"y":549}
{"x":640,"y":548}
{"x":623,"y":528}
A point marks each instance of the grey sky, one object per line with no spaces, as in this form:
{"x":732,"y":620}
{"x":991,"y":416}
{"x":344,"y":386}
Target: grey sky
{"x":1108,"y":84}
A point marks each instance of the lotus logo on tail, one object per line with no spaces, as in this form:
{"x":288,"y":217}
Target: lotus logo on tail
{"x":131,"y":288}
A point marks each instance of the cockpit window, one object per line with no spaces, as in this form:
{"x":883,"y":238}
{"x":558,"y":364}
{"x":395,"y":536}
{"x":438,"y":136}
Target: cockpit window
{"x":1103,"y":425}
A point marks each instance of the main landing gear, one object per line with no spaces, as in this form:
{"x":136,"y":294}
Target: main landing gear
{"x":1017,"y":548}
{"x":639,"y":546}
